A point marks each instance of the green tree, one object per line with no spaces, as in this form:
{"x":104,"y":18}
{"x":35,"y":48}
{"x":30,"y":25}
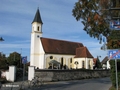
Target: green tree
{"x":14,"y":59}
{"x":98,"y":63}
{"x":3,"y":61}
{"x":95,"y":16}
{"x":113,"y":73}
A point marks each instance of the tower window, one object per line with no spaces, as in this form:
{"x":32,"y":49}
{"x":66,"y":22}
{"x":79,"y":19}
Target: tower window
{"x":38,"y":28}
{"x":70,"y":60}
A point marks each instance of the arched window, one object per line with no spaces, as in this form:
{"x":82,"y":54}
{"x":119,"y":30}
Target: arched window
{"x":38,"y":28}
{"x":83,"y":64}
{"x":62,"y":61}
{"x":70,"y":60}
{"x":89,"y":64}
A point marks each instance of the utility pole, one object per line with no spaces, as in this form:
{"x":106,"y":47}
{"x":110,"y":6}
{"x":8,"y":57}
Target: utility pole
{"x":20,"y":57}
{"x":116,"y":18}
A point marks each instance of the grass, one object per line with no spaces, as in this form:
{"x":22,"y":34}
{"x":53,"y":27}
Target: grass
{"x":113,"y":88}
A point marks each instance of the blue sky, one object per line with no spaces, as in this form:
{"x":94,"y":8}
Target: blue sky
{"x":16,"y":17}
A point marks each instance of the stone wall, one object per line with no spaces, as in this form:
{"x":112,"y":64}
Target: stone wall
{"x":62,"y":75}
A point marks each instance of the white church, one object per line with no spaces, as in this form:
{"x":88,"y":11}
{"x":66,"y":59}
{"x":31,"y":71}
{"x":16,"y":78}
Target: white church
{"x":47,"y":53}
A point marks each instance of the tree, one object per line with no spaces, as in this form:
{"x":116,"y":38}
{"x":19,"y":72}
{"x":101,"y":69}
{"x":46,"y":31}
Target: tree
{"x":113,"y":41}
{"x":14,"y":59}
{"x":95,"y":16}
{"x":98,"y":63}
{"x":3,"y":61}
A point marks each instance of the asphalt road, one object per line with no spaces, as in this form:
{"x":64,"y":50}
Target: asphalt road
{"x":86,"y":84}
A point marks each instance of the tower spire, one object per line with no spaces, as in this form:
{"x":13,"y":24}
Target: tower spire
{"x":37,"y":17}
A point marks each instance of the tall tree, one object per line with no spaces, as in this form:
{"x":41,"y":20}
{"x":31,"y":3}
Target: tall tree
{"x":95,"y":16}
{"x":3,"y":61}
{"x":14,"y":59}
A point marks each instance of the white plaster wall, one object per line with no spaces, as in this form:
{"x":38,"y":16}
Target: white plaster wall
{"x":37,"y":52}
{"x":108,"y":64}
{"x":41,"y":57}
{"x":91,"y":62}
{"x":67,"y":58}
{"x":79,"y":60}
{"x":59,"y":56}
{"x":35,"y":48}
{"x":86,"y":62}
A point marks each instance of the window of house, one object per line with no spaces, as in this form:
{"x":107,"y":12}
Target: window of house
{"x":38,"y":28}
{"x":83,"y":64}
{"x":89,"y":64}
{"x":70,"y":60}
{"x":62,"y":61}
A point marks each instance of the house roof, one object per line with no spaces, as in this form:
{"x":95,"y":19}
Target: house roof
{"x":105,"y":60}
{"x":83,"y":52}
{"x":37,"y":17}
{"x":95,"y":60}
{"x":55,"y":46}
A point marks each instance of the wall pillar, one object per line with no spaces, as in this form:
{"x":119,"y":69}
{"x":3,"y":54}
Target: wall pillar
{"x":86,"y":63}
{"x":31,"y":72}
{"x":12,"y":73}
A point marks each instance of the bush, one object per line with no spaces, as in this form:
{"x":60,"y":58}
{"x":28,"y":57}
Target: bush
{"x":113,"y":73}
{"x":113,"y":88}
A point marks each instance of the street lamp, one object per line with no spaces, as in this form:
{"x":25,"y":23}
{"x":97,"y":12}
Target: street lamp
{"x":1,"y":39}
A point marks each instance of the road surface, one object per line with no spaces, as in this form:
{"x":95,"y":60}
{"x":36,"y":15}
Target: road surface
{"x":85,"y":84}
{"x":88,"y":84}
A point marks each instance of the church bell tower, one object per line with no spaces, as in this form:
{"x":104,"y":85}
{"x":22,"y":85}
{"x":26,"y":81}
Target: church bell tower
{"x":35,"y":39}
{"x":37,"y":24}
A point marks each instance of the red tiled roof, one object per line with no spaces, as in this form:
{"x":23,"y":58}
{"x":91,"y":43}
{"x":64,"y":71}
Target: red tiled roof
{"x":95,"y":60}
{"x":83,"y":52}
{"x":55,"y":46}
